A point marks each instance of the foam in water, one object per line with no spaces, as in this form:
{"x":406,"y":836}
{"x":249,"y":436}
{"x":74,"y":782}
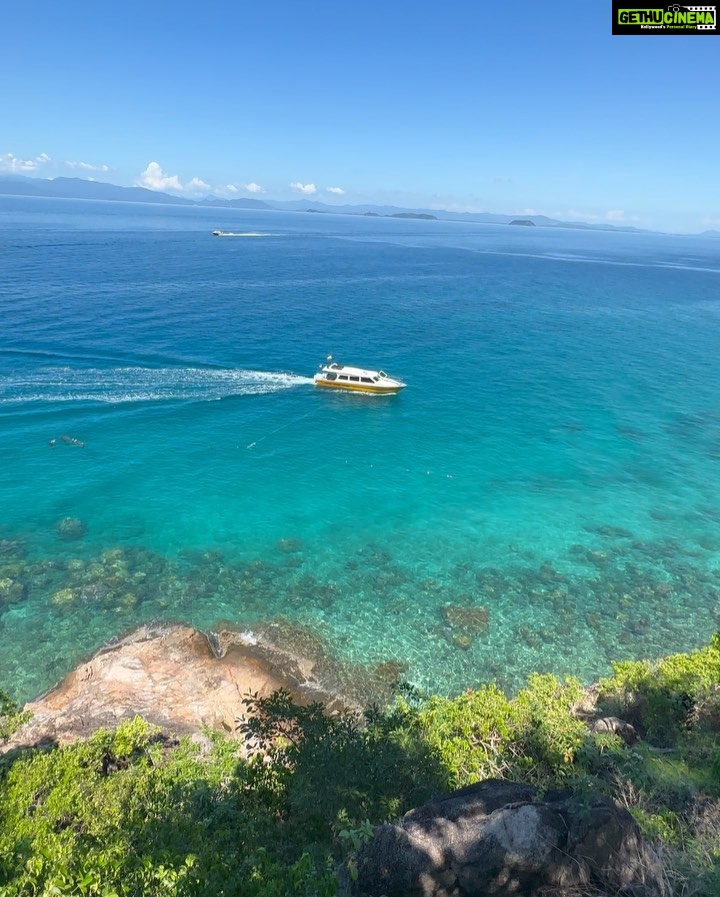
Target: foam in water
{"x":135,"y":384}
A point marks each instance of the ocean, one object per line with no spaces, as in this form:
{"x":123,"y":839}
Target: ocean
{"x":543,"y":497}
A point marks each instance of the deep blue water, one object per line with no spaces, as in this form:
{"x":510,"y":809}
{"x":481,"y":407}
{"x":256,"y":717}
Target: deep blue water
{"x":543,"y":495}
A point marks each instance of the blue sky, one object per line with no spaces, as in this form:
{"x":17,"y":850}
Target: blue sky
{"x":522,"y":107}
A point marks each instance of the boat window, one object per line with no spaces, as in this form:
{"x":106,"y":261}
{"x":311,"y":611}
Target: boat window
{"x":382,"y":374}
{"x":375,"y":379}
{"x":355,"y":379}
{"x":343,"y":377}
{"x":366,"y":379}
{"x":331,"y":377}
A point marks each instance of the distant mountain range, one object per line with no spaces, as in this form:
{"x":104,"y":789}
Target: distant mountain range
{"x":78,"y":188}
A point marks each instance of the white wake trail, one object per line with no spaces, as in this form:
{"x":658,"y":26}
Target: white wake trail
{"x":138,"y":384}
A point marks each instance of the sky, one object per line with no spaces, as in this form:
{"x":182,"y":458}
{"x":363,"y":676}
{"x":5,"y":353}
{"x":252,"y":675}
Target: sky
{"x":521,"y":107}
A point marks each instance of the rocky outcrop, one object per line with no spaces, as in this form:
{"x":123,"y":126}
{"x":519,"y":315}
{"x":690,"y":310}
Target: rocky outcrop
{"x":496,"y":838}
{"x":611,"y":725}
{"x":174,"y":676}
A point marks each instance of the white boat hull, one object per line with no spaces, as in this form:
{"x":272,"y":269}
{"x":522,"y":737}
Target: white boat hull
{"x":351,"y":379}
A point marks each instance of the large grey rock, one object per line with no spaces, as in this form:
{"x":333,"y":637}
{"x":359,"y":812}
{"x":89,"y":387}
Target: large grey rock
{"x":495,"y":838}
{"x":614,"y":726}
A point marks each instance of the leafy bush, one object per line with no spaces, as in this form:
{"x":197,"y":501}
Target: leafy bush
{"x":662,"y":699}
{"x":11,"y":717}
{"x":484,"y":734}
{"x":334,"y":771}
{"x":133,"y":812}
{"x":128,"y":813}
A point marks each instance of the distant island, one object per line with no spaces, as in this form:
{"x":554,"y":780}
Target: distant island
{"x":78,"y":188}
{"x":423,"y":215}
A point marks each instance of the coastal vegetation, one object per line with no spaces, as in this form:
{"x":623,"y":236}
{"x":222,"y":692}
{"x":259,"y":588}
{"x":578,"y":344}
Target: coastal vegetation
{"x":282,"y":810}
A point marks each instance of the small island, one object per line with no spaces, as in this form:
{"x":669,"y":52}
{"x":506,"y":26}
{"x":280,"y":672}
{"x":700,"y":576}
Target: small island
{"x":525,"y":222}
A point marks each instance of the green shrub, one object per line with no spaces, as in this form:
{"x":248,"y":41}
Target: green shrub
{"x":665,"y":698}
{"x":133,"y":812}
{"x":485,"y":734}
{"x":11,"y":717}
{"x":128,"y":813}
{"x":334,"y":771}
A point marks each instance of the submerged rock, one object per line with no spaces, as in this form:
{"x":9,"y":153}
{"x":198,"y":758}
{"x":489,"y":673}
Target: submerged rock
{"x":12,"y":549}
{"x":63,"y":597}
{"x":71,"y":528}
{"x":11,"y":590}
{"x":473,"y":620}
{"x":465,"y":624}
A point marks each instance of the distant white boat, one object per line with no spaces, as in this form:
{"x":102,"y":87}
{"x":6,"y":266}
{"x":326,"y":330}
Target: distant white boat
{"x":343,"y":376}
{"x":221,"y":233}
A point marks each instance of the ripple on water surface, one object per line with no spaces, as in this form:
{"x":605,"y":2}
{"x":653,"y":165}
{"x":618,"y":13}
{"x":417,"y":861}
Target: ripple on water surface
{"x":541,"y":497}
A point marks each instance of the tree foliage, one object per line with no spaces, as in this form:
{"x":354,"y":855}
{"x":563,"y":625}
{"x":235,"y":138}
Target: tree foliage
{"x":134,"y":812}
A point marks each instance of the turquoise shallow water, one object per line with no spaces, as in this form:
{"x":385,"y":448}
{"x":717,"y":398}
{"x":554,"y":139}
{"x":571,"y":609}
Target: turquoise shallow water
{"x":543,"y":496}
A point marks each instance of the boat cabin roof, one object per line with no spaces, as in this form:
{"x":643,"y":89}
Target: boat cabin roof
{"x":357,"y":372}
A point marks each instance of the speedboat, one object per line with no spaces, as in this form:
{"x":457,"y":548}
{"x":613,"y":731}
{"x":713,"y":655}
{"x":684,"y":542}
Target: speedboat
{"x":342,"y":376}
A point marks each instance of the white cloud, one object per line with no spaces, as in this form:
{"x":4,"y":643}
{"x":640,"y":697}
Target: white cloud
{"x":86,"y":166}
{"x":234,"y":189}
{"x":196,"y":185}
{"x":710,"y":222}
{"x":337,"y":190}
{"x":154,"y":178}
{"x":305,"y":189}
{"x":11,"y":163}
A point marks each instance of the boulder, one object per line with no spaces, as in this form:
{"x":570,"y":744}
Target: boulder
{"x":174,"y":676}
{"x":614,"y":726}
{"x":497,"y":838}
